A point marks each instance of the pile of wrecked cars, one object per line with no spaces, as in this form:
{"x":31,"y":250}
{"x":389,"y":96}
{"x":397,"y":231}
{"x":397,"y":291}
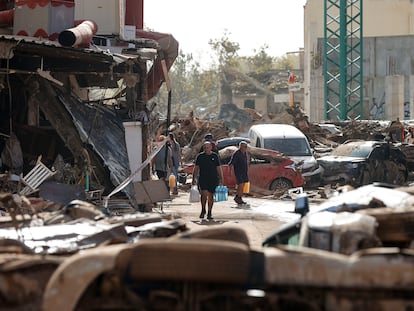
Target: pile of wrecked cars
{"x":353,"y":252}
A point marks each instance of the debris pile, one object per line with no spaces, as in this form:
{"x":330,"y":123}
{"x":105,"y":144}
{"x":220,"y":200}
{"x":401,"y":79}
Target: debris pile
{"x":190,"y":131}
{"x":87,"y":264}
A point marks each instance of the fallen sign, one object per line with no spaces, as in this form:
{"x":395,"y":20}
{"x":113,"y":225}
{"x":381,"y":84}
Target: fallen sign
{"x":151,"y":191}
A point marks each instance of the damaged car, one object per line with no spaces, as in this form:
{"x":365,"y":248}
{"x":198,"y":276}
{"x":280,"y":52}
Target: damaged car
{"x":231,"y":141}
{"x":268,"y":169}
{"x":359,"y":162}
{"x":290,"y":141}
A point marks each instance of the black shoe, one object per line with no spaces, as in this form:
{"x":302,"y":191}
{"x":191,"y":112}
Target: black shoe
{"x":203,"y":213}
{"x":209,"y":217}
{"x":238,"y":199}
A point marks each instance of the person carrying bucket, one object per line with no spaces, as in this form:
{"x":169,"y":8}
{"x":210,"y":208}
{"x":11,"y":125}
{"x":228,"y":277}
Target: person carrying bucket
{"x":239,"y":163}
{"x":176,"y":160}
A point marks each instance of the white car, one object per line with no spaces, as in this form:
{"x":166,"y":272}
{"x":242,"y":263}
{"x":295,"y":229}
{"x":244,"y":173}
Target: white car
{"x":290,"y":141}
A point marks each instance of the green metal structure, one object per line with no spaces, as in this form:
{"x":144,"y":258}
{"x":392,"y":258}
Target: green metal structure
{"x":343,"y":59}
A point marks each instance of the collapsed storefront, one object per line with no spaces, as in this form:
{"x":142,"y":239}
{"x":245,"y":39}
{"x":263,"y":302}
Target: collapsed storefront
{"x":72,"y":103}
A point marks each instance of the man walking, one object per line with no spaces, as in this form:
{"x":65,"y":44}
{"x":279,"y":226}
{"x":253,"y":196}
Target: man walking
{"x":162,"y":163}
{"x":240,"y":166}
{"x":209,"y":137}
{"x":176,"y":158}
{"x":207,"y":174}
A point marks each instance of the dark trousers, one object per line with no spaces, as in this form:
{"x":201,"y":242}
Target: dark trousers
{"x":163,"y":175}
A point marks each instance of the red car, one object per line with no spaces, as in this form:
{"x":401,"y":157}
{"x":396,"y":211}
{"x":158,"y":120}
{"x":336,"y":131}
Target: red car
{"x":268,"y":169}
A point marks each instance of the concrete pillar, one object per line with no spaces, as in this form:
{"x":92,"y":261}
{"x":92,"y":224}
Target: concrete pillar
{"x":316,"y":96}
{"x":394,"y":97}
{"x":133,"y":140}
{"x":412,"y":19}
{"x":411,"y":95}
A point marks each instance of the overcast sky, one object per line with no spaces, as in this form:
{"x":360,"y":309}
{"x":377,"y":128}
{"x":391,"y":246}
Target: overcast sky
{"x":277,"y":23}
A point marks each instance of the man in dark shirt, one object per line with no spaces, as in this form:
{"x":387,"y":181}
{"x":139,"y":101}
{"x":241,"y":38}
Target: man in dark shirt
{"x":209,"y":137}
{"x":239,"y":162}
{"x":207,"y":174}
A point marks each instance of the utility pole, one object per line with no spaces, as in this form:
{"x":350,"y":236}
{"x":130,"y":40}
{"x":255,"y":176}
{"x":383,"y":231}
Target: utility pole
{"x":291,"y":81}
{"x":343,"y":59}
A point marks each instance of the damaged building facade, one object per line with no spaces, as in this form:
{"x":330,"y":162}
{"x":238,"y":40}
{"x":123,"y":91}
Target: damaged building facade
{"x":388,"y":43}
{"x":73,"y":83}
{"x":84,"y":105}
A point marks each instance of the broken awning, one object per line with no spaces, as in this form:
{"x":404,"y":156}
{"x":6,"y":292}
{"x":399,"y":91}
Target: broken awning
{"x":27,"y":55}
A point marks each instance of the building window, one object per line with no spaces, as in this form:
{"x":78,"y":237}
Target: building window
{"x":249,"y":103}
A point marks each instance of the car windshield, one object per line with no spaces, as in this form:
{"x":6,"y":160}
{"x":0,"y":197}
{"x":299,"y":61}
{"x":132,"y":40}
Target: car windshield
{"x":351,"y":150}
{"x":288,"y":146}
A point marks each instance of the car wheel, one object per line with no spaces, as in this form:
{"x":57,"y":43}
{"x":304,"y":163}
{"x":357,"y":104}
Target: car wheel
{"x":401,"y":178}
{"x":281,"y":183}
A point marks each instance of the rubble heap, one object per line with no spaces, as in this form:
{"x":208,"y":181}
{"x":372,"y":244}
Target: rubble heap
{"x":190,"y":131}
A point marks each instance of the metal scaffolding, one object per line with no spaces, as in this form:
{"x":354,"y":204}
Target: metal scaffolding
{"x":343,"y":59}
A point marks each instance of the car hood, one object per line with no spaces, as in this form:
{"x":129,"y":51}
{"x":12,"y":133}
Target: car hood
{"x":308,"y":161}
{"x":336,"y":159}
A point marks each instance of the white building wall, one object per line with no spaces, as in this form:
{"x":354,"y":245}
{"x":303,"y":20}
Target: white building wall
{"x":105,"y":13}
{"x":411,"y":95}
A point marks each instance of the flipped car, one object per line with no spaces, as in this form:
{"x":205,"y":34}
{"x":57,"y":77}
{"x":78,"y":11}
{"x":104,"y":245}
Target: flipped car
{"x":231,"y":141}
{"x":360,"y":162}
{"x":268,"y":169}
{"x":332,"y":129}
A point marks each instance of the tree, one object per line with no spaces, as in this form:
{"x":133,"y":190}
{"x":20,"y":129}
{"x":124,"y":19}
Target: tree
{"x":197,"y":89}
{"x":286,"y":62}
{"x":191,"y":87}
{"x":226,"y":50}
{"x":261,"y":61}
